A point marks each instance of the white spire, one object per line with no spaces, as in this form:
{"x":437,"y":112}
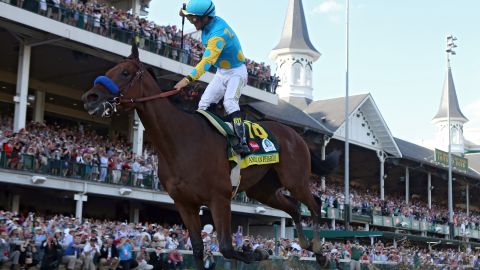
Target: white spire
{"x":295,"y":33}
{"x":294,"y":56}
{"x":449,"y":118}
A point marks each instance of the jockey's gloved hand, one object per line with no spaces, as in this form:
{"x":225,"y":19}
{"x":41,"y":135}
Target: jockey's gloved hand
{"x":181,"y":84}
{"x":180,"y":13}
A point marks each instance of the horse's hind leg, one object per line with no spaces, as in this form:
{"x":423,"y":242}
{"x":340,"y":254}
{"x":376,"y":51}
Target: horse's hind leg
{"x":268,"y":191}
{"x":302,"y":193}
{"x":293,"y":173}
{"x":191,"y":219}
{"x":315,"y":211}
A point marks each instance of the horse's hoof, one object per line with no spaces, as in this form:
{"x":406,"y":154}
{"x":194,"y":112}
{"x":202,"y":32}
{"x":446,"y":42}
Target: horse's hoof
{"x":260,"y":254}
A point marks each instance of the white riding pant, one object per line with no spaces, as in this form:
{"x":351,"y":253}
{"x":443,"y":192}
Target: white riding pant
{"x":227,"y":83}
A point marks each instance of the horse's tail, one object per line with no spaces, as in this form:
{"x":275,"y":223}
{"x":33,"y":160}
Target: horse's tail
{"x":325,"y":167}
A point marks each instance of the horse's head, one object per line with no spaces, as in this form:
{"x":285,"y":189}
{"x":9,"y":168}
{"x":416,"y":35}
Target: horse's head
{"x":120,"y":83}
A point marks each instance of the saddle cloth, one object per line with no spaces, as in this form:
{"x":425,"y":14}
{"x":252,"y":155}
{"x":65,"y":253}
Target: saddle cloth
{"x":263,"y":145}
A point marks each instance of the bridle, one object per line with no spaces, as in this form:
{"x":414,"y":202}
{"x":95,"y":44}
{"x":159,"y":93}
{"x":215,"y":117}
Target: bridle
{"x":110,"y":106}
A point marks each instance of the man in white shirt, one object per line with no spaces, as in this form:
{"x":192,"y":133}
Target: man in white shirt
{"x":123,"y":232}
{"x":67,"y":237}
{"x":88,"y":254}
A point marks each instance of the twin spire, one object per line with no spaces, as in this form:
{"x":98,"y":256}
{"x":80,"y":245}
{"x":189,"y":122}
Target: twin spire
{"x":294,"y":56}
{"x":449,"y":95}
{"x":295,"y":36}
{"x":449,"y":118}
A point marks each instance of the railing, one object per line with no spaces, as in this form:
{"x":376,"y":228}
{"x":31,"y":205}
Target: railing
{"x":108,"y":28}
{"x":400,"y":222}
{"x":40,"y":164}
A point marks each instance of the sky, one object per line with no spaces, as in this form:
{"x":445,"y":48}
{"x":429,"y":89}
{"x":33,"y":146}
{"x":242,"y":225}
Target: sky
{"x":397,"y":51}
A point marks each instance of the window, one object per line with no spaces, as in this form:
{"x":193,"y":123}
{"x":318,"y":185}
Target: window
{"x":297,"y":70}
{"x":308,"y":76}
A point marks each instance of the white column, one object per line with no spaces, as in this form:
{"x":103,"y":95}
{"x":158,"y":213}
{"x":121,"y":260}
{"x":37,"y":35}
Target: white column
{"x":325,"y":140}
{"x":136,"y":215}
{"x":429,"y":190}
{"x":39,"y":110}
{"x":137,"y":136}
{"x":382,"y":179}
{"x":134,"y":211}
{"x":322,"y":183}
{"x":467,"y":199}
{"x":15,"y":206}
{"x":367,"y":227}
{"x":333,"y":224}
{"x":381,"y":157}
{"x":136,"y":7}
{"x":79,"y":210}
{"x":80,"y":198}
{"x":282,"y":227}
{"x":407,"y":185}
{"x":20,"y":99}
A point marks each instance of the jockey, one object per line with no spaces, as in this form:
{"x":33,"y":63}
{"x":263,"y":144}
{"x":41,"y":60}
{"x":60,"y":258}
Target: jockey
{"x":222,"y":50}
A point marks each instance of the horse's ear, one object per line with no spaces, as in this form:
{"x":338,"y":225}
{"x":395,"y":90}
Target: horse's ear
{"x":134,"y":54}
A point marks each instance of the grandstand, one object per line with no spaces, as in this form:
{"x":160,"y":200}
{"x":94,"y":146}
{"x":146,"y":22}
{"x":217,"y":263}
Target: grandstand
{"x":60,"y":60}
{"x":50,"y":57}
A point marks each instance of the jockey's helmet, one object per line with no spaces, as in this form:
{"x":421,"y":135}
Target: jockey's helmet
{"x":200,"y":8}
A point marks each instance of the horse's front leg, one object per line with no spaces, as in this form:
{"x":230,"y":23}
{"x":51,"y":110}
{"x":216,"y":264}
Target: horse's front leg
{"x":221,"y":214}
{"x":191,"y":219}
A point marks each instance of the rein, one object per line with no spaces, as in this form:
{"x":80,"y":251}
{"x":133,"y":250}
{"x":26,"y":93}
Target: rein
{"x":168,"y":93}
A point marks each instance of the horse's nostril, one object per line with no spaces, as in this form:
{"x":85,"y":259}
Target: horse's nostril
{"x":92,"y":97}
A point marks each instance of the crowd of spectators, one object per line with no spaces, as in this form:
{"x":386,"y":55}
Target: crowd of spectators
{"x":406,"y":255}
{"x":47,"y":241}
{"x":122,"y":25}
{"x":363,"y":202}
{"x":73,"y":151}
{"x":30,"y":240}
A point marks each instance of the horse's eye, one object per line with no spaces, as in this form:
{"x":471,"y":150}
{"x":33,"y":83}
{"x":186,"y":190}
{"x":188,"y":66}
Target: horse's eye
{"x":125,"y":73}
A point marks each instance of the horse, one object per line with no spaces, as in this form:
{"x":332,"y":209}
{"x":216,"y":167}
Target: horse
{"x":193,"y":167}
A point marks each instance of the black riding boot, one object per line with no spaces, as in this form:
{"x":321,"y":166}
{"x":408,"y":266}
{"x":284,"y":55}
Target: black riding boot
{"x":241,"y":147}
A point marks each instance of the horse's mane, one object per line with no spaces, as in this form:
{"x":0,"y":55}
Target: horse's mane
{"x":152,"y":73}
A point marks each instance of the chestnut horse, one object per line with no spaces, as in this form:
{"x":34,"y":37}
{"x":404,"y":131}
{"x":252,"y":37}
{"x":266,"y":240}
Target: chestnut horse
{"x":193,"y":167}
